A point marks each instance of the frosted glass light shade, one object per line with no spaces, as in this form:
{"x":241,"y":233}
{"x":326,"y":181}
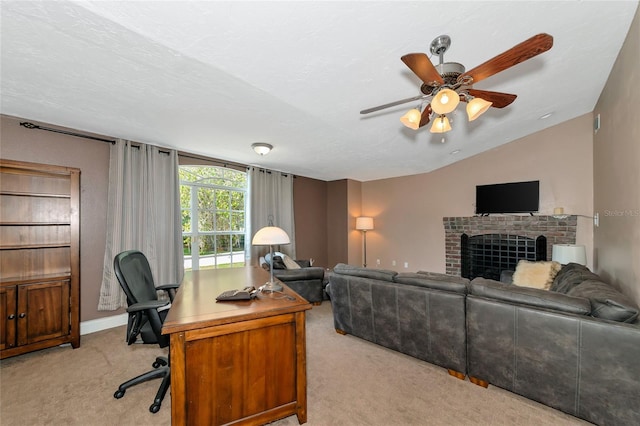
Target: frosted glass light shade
{"x":411,"y":119}
{"x":270,"y":235}
{"x":568,"y":253}
{"x":440,"y":125}
{"x":262,"y":148}
{"x":476,"y":107}
{"x":364,"y":223}
{"x":445,"y":101}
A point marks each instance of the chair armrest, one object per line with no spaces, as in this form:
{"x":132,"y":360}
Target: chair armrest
{"x":144,"y":306}
{"x":170,"y":289}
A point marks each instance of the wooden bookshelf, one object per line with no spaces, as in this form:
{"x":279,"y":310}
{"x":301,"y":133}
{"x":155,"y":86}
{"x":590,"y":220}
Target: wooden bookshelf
{"x":39,"y":257}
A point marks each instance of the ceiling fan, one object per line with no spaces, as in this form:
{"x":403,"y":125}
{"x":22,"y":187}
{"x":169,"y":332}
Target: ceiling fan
{"x":447,"y":83}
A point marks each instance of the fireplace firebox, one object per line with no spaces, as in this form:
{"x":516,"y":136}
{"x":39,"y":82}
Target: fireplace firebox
{"x":487,"y":255}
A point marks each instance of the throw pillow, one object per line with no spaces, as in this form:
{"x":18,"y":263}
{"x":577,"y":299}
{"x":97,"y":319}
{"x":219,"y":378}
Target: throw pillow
{"x":535,"y":274}
{"x":290,"y":263}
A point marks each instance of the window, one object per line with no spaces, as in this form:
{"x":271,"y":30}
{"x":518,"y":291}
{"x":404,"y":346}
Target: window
{"x":213,"y":200}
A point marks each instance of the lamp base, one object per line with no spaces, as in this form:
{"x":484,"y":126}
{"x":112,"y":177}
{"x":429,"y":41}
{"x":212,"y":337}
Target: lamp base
{"x":271,"y":286}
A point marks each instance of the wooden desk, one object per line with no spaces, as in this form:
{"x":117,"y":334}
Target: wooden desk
{"x":240,"y":362}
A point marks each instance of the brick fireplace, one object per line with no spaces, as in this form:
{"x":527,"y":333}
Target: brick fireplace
{"x":509,"y":228}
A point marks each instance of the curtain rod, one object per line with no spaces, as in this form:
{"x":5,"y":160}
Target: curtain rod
{"x":64,"y":132}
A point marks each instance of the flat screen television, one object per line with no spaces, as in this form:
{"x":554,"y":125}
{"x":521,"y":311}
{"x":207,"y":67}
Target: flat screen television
{"x":514,"y":197}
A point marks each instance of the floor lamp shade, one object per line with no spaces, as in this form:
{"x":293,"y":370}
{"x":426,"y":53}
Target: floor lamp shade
{"x":270,"y":236}
{"x":569,"y":253}
{"x":364,"y":223}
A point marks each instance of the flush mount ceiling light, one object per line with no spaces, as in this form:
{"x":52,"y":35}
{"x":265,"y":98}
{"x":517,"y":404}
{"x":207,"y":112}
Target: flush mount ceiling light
{"x":445,"y":85}
{"x":262,"y":148}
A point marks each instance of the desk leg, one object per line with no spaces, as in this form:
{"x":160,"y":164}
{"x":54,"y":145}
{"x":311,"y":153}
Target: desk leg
{"x":301,"y":355}
{"x":178,"y":380}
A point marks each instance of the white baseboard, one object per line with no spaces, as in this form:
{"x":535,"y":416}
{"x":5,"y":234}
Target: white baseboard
{"x":92,"y":326}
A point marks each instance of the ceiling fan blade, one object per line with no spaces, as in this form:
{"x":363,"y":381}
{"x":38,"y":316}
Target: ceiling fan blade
{"x":426,"y":116}
{"x":421,"y":66}
{"x":499,"y":100}
{"x":519,"y":53}
{"x":389,"y":105}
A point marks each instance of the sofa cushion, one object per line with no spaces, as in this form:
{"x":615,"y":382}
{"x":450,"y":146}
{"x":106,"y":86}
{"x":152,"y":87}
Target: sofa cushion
{"x":378,"y":274}
{"x":570,"y":276}
{"x":491,"y":289}
{"x":539,"y":274}
{"x":606,"y":302}
{"x":444,"y":277}
{"x":439,"y":281}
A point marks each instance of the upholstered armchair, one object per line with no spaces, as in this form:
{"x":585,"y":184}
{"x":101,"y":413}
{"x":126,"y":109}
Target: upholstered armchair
{"x":304,"y":279}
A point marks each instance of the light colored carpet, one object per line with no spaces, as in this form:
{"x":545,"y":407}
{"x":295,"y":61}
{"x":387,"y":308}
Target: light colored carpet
{"x":350,"y":382}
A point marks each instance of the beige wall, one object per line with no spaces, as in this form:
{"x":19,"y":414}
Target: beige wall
{"x":408,"y":211}
{"x":617,"y":171}
{"x":92,"y":158}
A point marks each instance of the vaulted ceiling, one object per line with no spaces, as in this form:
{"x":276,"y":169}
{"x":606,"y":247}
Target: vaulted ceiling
{"x":213,"y":77}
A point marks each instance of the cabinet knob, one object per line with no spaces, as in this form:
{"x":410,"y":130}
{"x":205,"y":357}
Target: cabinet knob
{"x":12,"y":316}
{"x":22,"y":315}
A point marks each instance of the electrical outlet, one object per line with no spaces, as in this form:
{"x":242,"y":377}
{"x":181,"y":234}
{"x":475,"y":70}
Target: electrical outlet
{"x":406,"y":265}
{"x":378,"y":262}
{"x":393,"y":263}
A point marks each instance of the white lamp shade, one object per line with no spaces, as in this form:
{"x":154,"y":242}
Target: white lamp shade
{"x":364,"y":223}
{"x":569,"y":253}
{"x":445,"y":101}
{"x":476,"y":107}
{"x":440,"y":125}
{"x":412,"y":119}
{"x":270,"y":235}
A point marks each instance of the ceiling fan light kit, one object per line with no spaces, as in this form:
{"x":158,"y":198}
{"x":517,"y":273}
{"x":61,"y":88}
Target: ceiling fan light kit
{"x":476,"y":107}
{"x":447,"y":83}
{"x":412,"y":119}
{"x":445,"y":101}
{"x":441,"y":125}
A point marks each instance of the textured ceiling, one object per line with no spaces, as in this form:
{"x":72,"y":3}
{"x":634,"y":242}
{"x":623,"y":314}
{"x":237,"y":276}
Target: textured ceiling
{"x":212,"y":77}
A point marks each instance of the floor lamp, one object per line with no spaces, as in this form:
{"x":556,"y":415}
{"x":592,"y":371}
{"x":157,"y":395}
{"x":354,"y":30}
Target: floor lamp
{"x":364,"y":224}
{"x":270,"y":236}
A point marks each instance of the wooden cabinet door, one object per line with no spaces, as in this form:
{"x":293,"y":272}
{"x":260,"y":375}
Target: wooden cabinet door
{"x":43,"y":311}
{"x":8,"y":317}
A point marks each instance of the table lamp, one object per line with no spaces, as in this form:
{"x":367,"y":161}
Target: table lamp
{"x":270,"y":236}
{"x":568,"y":253}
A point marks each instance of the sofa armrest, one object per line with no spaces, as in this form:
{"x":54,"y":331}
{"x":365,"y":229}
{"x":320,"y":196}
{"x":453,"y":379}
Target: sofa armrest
{"x":311,"y":273}
{"x":491,"y":289}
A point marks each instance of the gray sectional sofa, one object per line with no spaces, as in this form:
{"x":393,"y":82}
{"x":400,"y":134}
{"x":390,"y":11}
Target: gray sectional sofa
{"x":417,"y":314}
{"x":575,"y":347}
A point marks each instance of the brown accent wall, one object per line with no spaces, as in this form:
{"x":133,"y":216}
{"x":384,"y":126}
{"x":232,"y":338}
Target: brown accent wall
{"x":408,"y":210}
{"x":337,"y":223}
{"x":354,"y":237}
{"x":92,"y":158}
{"x":617,"y":171}
{"x":310,"y":210}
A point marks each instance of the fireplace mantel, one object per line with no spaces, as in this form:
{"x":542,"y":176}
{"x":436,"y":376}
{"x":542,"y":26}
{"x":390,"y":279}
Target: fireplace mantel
{"x":557,"y":231}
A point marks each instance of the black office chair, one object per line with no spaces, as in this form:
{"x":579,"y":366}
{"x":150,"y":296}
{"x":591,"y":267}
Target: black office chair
{"x":134,"y":275}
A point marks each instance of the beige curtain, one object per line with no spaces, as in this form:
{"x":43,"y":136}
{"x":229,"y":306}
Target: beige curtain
{"x":143,"y":214}
{"x":270,"y":203}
